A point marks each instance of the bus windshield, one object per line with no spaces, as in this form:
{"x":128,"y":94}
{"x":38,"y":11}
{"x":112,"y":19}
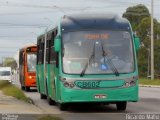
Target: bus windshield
{"x":97,"y":52}
{"x":31,"y":62}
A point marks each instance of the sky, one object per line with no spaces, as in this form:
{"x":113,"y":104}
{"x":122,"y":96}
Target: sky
{"x":22,"y":20}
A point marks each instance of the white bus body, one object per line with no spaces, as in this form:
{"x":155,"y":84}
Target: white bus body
{"x":5,"y":73}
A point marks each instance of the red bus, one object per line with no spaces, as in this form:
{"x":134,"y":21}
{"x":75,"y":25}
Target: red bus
{"x":27,"y":67}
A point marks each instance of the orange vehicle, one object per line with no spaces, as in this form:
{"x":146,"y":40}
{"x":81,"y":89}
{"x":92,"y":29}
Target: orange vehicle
{"x":27,"y":67}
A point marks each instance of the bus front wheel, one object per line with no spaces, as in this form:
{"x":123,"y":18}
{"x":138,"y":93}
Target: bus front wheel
{"x":22,"y":87}
{"x":121,"y":106}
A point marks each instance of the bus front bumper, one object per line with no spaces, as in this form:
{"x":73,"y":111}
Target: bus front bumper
{"x":129,"y":94}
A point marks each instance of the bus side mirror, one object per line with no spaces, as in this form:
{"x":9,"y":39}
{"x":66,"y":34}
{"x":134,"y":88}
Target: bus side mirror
{"x":57,"y":44}
{"x":137,"y":42}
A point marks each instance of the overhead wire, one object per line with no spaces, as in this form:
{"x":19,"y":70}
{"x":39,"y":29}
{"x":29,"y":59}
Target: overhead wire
{"x":66,"y":8}
{"x":54,"y":7}
{"x":25,"y":13}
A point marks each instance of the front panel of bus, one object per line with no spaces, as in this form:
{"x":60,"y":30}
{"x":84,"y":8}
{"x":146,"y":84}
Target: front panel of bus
{"x":30,"y":74}
{"x":98,"y":66}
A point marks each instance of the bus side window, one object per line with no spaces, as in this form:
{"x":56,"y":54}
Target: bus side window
{"x":48,"y":52}
{"x":53,"y":54}
{"x":21,"y":58}
{"x":42,"y":51}
{"x":39,"y":52}
{"x":38,"y":48}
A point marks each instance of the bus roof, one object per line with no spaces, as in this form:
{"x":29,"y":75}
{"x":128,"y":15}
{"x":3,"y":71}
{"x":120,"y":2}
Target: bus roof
{"x":28,"y":46}
{"x":87,"y":21}
{"x":5,"y":68}
{"x":94,"y":21}
{"x":47,"y":29}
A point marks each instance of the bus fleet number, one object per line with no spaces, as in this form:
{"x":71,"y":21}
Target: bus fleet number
{"x":88,"y":84}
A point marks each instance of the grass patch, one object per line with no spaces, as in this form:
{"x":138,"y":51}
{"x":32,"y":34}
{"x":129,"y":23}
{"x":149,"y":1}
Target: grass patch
{"x":145,"y":81}
{"x":48,"y":117}
{"x":11,"y":90}
{"x":3,"y":84}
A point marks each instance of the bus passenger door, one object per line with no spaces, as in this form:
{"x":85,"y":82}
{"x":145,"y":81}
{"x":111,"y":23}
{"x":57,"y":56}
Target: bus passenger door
{"x":53,"y":71}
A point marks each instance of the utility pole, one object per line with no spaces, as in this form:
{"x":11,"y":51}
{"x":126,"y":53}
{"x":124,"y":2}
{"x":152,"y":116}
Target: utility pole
{"x":152,"y":42}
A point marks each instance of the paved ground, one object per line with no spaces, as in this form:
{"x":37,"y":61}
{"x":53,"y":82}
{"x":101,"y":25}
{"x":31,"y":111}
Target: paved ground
{"x":42,"y":104}
{"x":10,"y":104}
{"x":149,"y":103}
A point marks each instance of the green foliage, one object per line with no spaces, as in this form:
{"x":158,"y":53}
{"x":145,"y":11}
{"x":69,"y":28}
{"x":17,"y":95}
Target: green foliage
{"x":135,"y":14}
{"x":11,"y":90}
{"x":140,"y":20}
{"x":145,"y":81}
{"x":142,"y":61}
{"x":144,"y":28}
{"x":157,"y":57}
{"x":10,"y":62}
{"x":3,"y":83}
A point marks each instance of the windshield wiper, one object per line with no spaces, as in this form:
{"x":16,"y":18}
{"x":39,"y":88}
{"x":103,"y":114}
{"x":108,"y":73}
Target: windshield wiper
{"x":104,"y":54}
{"x":90,"y":58}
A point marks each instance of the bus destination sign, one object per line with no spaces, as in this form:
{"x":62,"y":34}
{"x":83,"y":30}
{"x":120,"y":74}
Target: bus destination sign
{"x":32,"y":49}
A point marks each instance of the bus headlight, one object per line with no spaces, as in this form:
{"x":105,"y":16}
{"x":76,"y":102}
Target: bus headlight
{"x":127,"y":84}
{"x":72,"y":85}
{"x":66,"y":84}
{"x":131,"y":81}
{"x":69,"y":85}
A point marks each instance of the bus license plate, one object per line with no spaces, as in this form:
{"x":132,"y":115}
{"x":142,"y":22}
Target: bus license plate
{"x":100,"y":96}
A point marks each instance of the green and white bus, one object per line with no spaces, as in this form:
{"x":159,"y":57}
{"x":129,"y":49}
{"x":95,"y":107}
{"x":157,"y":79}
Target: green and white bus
{"x":88,"y":58}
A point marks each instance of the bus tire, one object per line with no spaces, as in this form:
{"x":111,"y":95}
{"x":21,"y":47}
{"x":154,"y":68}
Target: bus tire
{"x":121,"y":105}
{"x":27,"y":89}
{"x":62,"y":106}
{"x":50,"y":101}
{"x":42,"y":96}
{"x":22,"y":87}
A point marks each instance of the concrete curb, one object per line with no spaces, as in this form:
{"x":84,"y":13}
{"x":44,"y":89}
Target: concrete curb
{"x":153,"y":86}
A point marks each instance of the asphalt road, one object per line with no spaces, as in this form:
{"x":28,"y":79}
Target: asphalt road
{"x":149,"y":103}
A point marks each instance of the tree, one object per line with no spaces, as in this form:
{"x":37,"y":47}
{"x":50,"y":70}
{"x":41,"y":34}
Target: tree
{"x":135,"y":14}
{"x":143,"y":31}
{"x":140,"y":20}
{"x":10,"y":62}
{"x":157,"y":57}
